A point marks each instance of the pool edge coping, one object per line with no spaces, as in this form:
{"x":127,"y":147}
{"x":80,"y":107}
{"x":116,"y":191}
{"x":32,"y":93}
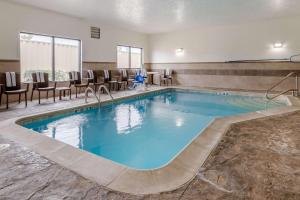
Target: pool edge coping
{"x":183,"y":168}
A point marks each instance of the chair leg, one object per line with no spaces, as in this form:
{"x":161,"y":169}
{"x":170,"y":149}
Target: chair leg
{"x":32,"y":93}
{"x":19,"y":98}
{"x":70,"y":93}
{"x":47,"y":94}
{"x":0,"y":98}
{"x":39,"y":97}
{"x":76,"y":92}
{"x":54,"y":95}
{"x":25,"y":99}
{"x":6,"y":101}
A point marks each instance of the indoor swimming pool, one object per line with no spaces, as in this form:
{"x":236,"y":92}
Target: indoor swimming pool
{"x":147,"y":132}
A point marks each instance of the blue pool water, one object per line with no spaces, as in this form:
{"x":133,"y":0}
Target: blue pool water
{"x":146,"y":132}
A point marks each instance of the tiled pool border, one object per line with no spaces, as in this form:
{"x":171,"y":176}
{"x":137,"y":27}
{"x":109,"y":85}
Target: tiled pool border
{"x":120,"y":178}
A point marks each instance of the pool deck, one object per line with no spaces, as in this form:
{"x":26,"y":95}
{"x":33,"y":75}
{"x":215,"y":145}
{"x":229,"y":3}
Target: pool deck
{"x":172,"y":177}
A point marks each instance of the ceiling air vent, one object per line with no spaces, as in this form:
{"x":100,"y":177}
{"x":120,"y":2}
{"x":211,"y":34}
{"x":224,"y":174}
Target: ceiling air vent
{"x":95,"y":32}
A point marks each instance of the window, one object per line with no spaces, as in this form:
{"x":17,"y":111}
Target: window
{"x":49,"y":54}
{"x":136,"y":57}
{"x":123,"y":57}
{"x":36,"y":55}
{"x":67,"y":57}
{"x":129,"y":57}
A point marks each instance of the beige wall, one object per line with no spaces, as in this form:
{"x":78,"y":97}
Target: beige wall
{"x":225,"y":43}
{"x":247,"y":76}
{"x":15,"y":18}
{"x":206,"y":50}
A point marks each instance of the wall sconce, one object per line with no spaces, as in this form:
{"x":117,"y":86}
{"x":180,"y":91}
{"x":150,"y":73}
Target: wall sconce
{"x":179,"y":51}
{"x":278,"y":45}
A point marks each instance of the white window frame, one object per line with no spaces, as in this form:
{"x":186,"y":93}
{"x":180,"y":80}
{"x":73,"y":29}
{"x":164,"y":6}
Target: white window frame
{"x":53,"y":49}
{"x":130,"y":65}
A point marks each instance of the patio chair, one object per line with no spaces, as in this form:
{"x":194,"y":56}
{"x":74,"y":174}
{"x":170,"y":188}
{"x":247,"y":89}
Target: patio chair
{"x":112,"y":84}
{"x":132,"y":74}
{"x":11,"y":85}
{"x":124,"y":80}
{"x":93,"y":79}
{"x":166,"y":77}
{"x":41,"y":84}
{"x":76,"y":81}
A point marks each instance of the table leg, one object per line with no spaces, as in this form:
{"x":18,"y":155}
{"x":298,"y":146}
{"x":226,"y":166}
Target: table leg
{"x":152,"y":77}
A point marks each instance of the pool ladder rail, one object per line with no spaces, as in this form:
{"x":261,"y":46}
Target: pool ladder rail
{"x":295,"y":90}
{"x":89,"y":89}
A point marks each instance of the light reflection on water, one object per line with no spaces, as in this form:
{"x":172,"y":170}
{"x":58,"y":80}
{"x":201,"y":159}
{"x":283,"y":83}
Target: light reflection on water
{"x":67,"y":129}
{"x":128,"y":117}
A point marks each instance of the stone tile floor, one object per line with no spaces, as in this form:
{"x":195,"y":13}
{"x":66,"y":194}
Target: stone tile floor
{"x":257,"y":159}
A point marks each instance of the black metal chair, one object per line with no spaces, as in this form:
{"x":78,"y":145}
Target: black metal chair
{"x":124,"y":79}
{"x":76,"y":81}
{"x":107,"y":76}
{"x":166,"y":77}
{"x":41,"y":84}
{"x":93,"y":79}
{"x":11,"y":85}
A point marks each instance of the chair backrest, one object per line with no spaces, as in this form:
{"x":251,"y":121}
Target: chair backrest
{"x":168,"y":72}
{"x":131,"y":72}
{"x":40,"y":79}
{"x":75,"y":77}
{"x":107,"y":75}
{"x":92,"y":76}
{"x":9,"y":84}
{"x":124,"y":74}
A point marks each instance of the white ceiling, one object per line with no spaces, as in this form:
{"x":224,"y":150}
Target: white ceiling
{"x":153,"y":16}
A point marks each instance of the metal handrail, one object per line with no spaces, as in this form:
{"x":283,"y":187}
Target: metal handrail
{"x":293,"y":56}
{"x":89,"y":89}
{"x":278,"y":83}
{"x":106,"y":90}
{"x":93,"y":92}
